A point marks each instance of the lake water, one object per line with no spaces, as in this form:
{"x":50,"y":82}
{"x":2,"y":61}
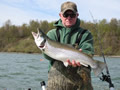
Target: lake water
{"x":20,"y":71}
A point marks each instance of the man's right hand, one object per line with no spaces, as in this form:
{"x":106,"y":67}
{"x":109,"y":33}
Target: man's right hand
{"x":74,"y":63}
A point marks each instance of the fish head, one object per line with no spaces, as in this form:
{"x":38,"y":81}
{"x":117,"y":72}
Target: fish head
{"x":39,"y":39}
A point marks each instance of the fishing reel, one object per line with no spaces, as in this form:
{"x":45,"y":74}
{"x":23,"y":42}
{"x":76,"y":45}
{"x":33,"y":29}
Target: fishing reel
{"x":107,"y":79}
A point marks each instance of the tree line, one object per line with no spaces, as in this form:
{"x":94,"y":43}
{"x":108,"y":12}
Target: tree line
{"x":19,"y":39}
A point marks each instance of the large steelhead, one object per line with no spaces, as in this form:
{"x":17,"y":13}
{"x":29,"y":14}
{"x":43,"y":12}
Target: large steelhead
{"x":62,"y":52}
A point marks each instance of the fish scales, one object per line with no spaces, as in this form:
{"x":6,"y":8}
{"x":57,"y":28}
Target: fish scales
{"x":70,"y":53}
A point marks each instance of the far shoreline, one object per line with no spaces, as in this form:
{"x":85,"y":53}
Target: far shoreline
{"x":116,"y":56}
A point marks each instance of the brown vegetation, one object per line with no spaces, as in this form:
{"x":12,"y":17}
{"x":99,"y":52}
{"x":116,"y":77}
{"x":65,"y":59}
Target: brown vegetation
{"x":19,"y":39}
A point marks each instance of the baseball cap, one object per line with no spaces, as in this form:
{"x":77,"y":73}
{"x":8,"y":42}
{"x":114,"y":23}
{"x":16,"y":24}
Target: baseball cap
{"x":68,"y":6}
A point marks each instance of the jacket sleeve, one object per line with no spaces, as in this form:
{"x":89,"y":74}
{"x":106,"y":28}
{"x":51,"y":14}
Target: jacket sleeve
{"x":86,"y":43}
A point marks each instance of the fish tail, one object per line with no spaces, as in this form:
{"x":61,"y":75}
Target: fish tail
{"x":99,"y":68}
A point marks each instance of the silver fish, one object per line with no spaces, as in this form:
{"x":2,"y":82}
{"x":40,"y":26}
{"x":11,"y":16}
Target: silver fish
{"x":62,"y":52}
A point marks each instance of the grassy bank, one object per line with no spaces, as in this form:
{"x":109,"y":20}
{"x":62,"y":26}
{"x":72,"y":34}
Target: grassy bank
{"x":26,"y":45}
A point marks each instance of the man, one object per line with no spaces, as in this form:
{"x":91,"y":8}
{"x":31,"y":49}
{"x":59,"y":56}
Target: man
{"x":68,"y":31}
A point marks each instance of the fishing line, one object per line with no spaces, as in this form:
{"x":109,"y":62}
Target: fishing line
{"x":104,"y":77}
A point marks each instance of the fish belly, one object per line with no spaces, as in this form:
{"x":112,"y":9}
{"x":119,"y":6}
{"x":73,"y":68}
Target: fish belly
{"x":62,"y":54}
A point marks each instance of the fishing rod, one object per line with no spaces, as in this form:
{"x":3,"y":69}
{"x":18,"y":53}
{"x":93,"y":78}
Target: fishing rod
{"x":104,"y":77}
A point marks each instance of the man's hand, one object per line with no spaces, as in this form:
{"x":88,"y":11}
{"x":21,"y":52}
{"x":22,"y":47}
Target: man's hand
{"x":74,"y":63}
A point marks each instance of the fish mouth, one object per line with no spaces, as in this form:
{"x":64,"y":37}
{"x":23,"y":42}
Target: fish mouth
{"x":42,"y":43}
{"x":41,"y":46}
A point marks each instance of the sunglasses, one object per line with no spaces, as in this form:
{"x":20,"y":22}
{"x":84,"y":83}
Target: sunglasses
{"x":67,"y":15}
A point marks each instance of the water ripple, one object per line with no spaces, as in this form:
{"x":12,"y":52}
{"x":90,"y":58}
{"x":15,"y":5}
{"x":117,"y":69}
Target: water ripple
{"x":20,"y":71}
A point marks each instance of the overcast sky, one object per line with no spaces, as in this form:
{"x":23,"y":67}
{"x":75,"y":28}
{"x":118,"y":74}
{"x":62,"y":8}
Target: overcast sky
{"x":22,"y":11}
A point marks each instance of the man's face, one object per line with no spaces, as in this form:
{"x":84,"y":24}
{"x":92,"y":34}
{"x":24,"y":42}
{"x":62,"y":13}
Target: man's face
{"x":68,"y":18}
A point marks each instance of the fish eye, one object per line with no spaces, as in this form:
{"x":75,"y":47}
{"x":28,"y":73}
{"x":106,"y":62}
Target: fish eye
{"x":41,"y":35}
